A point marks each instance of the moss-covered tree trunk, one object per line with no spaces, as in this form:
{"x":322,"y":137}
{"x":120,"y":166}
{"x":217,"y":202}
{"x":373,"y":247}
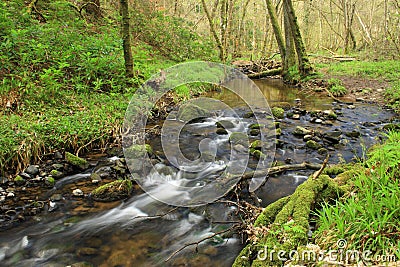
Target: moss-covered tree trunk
{"x":290,"y":56}
{"x":305,"y":67}
{"x":126,"y":38}
{"x":277,"y":32}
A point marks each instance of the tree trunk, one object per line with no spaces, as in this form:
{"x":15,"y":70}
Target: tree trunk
{"x":290,"y":56}
{"x":277,"y":32}
{"x":213,"y":31}
{"x":126,"y":38}
{"x":305,"y":67}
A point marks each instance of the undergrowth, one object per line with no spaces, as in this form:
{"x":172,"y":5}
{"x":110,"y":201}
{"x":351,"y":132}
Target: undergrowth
{"x":62,"y":82}
{"x":369,"y":217}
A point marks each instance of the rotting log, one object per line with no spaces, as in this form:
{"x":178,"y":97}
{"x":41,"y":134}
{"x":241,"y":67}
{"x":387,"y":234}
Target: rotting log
{"x":264,"y":74}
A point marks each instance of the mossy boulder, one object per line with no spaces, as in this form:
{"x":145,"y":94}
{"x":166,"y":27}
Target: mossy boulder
{"x":225,"y":124}
{"x":56,"y":174}
{"x":301,"y":131}
{"x":278,"y":112}
{"x":191,"y":112}
{"x":282,"y":105}
{"x":50,"y":181}
{"x":257,"y":154}
{"x":136,"y":151}
{"x":18,"y":180}
{"x":239,"y":138}
{"x":113,"y":191}
{"x":313,"y":145}
{"x":76,"y":161}
{"x":330,"y":114}
{"x":256,"y":126}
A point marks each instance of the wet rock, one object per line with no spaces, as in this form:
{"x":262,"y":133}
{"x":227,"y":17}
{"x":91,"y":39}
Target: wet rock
{"x":239,"y":138}
{"x":52,"y":206}
{"x":319,"y":121}
{"x":257,"y":154}
{"x":49,"y":181}
{"x":56,"y":174}
{"x":307,"y":137}
{"x":25,"y":175}
{"x":77,"y":193}
{"x":56,"y":197}
{"x":296,"y":117}
{"x":58,"y":155}
{"x":353,"y":134}
{"x":255,"y":132}
{"x":221,"y":131}
{"x":322,"y":151}
{"x":333,"y":136}
{"x":256,"y":126}
{"x":330,"y":114}
{"x":3,"y":180}
{"x":257,"y":144}
{"x":104,"y":171}
{"x":278,"y":112}
{"x":76,"y":161}
{"x":10,"y":195}
{"x":302,"y":131}
{"x":95,"y":177}
{"x":57,"y":166}
{"x":240,"y":148}
{"x":351,"y":107}
{"x":2,"y":198}
{"x":32,"y":170}
{"x":249,"y":114}
{"x":138,"y":151}
{"x":18,"y":180}
{"x":225,"y":124}
{"x":313,"y":145}
{"x":191,"y":112}
{"x":87,"y":251}
{"x":282,"y":105}
{"x":113,"y":191}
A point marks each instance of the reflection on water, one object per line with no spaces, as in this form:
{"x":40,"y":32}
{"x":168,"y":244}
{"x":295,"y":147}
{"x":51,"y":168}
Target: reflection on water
{"x":274,"y":90}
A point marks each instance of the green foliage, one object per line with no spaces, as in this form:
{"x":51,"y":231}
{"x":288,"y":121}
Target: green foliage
{"x":173,"y":37}
{"x":393,"y":95}
{"x":336,"y":88}
{"x":369,"y":218}
{"x":278,"y":112}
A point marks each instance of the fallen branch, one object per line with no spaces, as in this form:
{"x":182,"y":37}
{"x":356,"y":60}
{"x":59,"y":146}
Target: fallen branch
{"x":198,"y":242}
{"x":318,"y":173}
{"x":266,"y":73}
{"x":280,"y":169}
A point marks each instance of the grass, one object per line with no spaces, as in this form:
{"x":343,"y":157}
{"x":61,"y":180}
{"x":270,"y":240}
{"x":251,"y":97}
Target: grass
{"x":369,"y":217}
{"x":62,"y":83}
{"x":386,"y":70}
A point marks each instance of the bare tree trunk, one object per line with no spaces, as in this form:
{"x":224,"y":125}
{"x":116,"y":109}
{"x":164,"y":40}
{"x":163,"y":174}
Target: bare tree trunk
{"x":290,"y":56}
{"x":212,"y":29}
{"x":126,"y":38}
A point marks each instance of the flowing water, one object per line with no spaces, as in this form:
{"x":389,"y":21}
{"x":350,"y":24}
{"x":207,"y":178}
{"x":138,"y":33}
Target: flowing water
{"x":122,"y":234}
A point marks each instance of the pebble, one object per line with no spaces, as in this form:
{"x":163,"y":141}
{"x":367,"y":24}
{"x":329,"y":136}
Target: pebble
{"x":318,"y":121}
{"x":10,"y":195}
{"x":32,"y":170}
{"x":77,"y":193}
{"x":25,"y":175}
{"x":296,"y":116}
{"x":351,"y":107}
{"x":2,"y":198}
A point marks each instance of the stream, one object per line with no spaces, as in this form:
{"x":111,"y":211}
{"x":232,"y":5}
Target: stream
{"x":121,"y":234}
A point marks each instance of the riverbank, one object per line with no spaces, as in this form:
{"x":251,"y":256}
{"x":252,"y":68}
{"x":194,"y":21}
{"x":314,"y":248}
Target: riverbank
{"x":353,"y":218}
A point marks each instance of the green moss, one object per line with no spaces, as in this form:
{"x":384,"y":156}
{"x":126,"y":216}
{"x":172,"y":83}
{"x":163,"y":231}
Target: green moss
{"x":243,"y":259}
{"x":239,"y":138}
{"x":18,"y":180}
{"x":257,"y":144}
{"x":138,"y":151}
{"x":333,"y":170}
{"x":283,"y":105}
{"x":256,"y":126}
{"x":268,"y":215}
{"x":313,"y":145}
{"x":56,"y":174}
{"x":75,"y":161}
{"x":113,"y":191}
{"x":257,"y":154}
{"x":50,"y":181}
{"x":278,"y":112}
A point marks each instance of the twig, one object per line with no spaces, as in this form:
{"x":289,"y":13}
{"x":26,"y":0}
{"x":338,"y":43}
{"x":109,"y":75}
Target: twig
{"x":91,"y":141}
{"x":198,"y":242}
{"x":318,"y":173}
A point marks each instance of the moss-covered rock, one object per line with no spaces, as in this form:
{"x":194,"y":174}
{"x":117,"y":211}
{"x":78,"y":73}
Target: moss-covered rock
{"x":76,"y":161}
{"x":313,"y":144}
{"x":278,"y":112}
{"x":18,"y":180}
{"x":239,"y":138}
{"x":256,"y":126}
{"x":113,"y":191}
{"x":301,"y":131}
{"x":282,"y":105}
{"x":191,"y":112}
{"x":50,"y":181}
{"x":225,"y":124}
{"x":138,"y":151}
{"x":257,"y":154}
{"x":56,"y":174}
